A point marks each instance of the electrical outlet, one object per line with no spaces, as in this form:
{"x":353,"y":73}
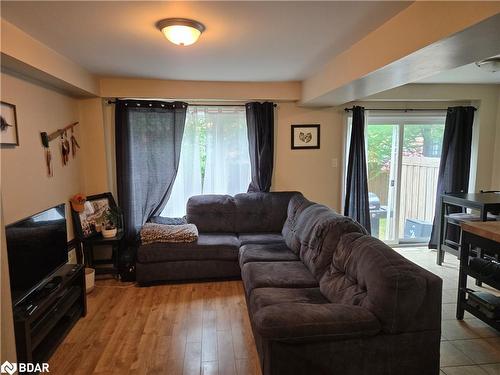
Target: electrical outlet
{"x":334,"y":163}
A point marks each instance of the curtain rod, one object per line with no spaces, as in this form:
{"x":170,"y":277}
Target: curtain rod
{"x":220,"y":105}
{"x":402,"y":109}
{"x":109,"y":101}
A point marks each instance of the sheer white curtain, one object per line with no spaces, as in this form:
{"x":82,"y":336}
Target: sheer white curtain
{"x":188,"y":180}
{"x":227,"y":168}
{"x":214,"y":156}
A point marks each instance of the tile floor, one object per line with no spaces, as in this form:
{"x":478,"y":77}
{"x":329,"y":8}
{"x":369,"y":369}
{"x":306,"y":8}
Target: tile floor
{"x":468,"y":347}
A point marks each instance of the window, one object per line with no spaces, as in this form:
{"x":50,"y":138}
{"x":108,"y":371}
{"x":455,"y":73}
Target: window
{"x":403,"y":154}
{"x":214,"y":156}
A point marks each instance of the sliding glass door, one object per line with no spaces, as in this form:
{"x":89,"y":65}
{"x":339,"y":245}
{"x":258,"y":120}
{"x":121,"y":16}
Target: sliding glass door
{"x":403,"y":153}
{"x":382,"y":142}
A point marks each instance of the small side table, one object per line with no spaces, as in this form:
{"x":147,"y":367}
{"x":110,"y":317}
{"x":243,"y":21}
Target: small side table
{"x":116,"y":244}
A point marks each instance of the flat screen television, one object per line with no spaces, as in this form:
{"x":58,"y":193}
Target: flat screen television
{"x":36,"y":247}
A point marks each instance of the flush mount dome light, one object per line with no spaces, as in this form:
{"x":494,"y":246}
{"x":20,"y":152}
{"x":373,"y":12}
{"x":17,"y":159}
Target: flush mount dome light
{"x":181,"y":31}
{"x":492,"y":64}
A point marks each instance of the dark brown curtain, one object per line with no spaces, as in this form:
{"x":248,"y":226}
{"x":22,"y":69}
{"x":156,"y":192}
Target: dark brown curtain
{"x":454,"y":167}
{"x":148,"y":145}
{"x":356,"y":203}
{"x":260,"y":128}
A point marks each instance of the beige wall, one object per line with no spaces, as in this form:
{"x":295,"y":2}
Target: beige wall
{"x":109,"y":138}
{"x":309,"y":171}
{"x":7,"y":344}
{"x":95,"y":168}
{"x":26,"y":188}
{"x":199,"y":90}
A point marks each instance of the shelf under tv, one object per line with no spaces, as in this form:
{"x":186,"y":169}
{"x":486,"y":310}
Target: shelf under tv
{"x":42,"y":320}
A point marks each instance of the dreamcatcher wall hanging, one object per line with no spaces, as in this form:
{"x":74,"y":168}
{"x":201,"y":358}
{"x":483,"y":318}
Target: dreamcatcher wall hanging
{"x":66,"y":146}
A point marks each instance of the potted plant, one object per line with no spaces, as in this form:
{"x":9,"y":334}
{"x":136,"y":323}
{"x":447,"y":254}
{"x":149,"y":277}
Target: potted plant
{"x":112,"y":221}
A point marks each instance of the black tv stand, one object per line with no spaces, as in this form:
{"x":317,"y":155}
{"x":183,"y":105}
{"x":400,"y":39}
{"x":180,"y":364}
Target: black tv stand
{"x":53,"y":284}
{"x":48,"y":286}
{"x":45,"y":316}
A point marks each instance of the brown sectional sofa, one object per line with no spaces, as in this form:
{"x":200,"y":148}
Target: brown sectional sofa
{"x":325,"y":298}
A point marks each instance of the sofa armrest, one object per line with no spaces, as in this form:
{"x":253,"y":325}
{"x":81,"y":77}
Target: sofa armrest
{"x":303,"y":321}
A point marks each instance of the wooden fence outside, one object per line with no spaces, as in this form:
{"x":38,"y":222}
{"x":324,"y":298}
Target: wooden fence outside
{"x":419,"y":177}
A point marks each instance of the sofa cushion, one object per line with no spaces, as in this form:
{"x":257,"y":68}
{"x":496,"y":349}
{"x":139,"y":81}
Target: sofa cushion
{"x":340,"y":283}
{"x":297,"y":204}
{"x":261,"y":212}
{"x":366,"y":272}
{"x":262,"y":297}
{"x":212,"y":213}
{"x":306,"y":321}
{"x":209,"y":246}
{"x":307,"y":218}
{"x":271,"y":252}
{"x":320,"y":232}
{"x":277,"y":275}
{"x":260,"y":238}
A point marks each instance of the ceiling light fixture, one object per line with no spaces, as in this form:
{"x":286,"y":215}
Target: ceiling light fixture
{"x":181,"y":31}
{"x":491,"y":65}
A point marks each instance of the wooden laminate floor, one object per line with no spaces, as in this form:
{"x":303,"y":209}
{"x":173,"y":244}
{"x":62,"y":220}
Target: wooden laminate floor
{"x":203,"y":328}
{"x":198,"y":328}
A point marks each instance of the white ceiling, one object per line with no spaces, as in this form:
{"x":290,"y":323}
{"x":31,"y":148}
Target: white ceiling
{"x":244,"y":41}
{"x":465,"y":74}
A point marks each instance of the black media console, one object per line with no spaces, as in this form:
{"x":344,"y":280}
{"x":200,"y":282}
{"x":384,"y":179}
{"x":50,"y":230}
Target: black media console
{"x":45,"y":316}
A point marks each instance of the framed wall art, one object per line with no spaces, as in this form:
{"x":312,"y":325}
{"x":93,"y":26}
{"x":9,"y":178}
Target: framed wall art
{"x":9,"y":135}
{"x":305,"y":137}
{"x":88,"y":222}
